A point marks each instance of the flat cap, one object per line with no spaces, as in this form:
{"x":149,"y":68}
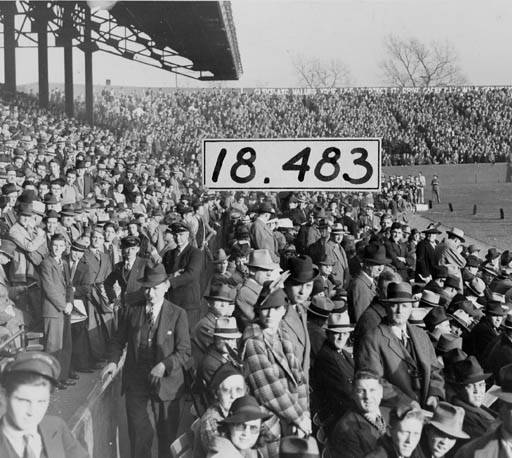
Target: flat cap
{"x":37,"y":362}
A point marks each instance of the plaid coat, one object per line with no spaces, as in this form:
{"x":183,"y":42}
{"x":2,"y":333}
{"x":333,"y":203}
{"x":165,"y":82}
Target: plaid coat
{"x":275,"y":378}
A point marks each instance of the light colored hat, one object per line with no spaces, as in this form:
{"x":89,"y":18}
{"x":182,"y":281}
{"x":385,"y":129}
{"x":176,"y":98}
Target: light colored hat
{"x":339,"y":322}
{"x":417,"y":315}
{"x":430,"y":298}
{"x":449,"y":419}
{"x":459,"y":233}
{"x":285,"y":223}
{"x":261,"y":259}
{"x":226,"y":328}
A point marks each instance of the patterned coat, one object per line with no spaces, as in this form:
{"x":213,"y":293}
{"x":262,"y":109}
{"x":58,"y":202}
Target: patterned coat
{"x":275,"y":377}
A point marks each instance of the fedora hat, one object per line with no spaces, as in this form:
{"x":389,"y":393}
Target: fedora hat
{"x":302,"y":270}
{"x":504,"y":382}
{"x":326,"y":260}
{"x":495,"y":308}
{"x":468,"y":371}
{"x":449,"y":419}
{"x":245,"y":409}
{"x":476,"y":286}
{"x":461,"y":318}
{"x":339,"y":322}
{"x":454,"y":356}
{"x":399,"y":292}
{"x":37,"y":362}
{"x":417,"y":316}
{"x":473,"y":261}
{"x":261,"y":259}
{"x":298,"y":447}
{"x":271,"y":300}
{"x":321,"y":306}
{"x":226,"y":328}
{"x":489,"y":270}
{"x":221,"y":292}
{"x":153,"y":276}
{"x":434,"y":317}
{"x":452,"y":282}
{"x":492,"y":253}
{"x":178,"y":227}
{"x":456,"y":232}
{"x":431,"y":230}
{"x":448,"y":342}
{"x":375,"y":254}
{"x":429,"y":298}
{"x":337,"y":228}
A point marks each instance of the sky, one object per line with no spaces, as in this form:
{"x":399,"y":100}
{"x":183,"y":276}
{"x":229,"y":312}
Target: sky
{"x":272,"y":32}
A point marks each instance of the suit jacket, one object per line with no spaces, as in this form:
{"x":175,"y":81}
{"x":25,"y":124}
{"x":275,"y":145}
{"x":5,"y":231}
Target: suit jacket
{"x":131,"y":289}
{"x":487,"y":446}
{"x":185,"y":289}
{"x":361,"y":292}
{"x":395,"y":251}
{"x":369,"y":320}
{"x":262,"y":238}
{"x":202,"y":336}
{"x":382,"y":352}
{"x":58,"y":441}
{"x":480,"y":337}
{"x":56,"y":287}
{"x":497,"y":355}
{"x":99,"y":268}
{"x":334,"y":382}
{"x":172,"y":346}
{"x":294,"y":328}
{"x":425,"y":258}
{"x":352,"y":437}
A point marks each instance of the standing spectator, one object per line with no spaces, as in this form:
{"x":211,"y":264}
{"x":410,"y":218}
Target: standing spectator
{"x":425,"y":255}
{"x":435,"y":189}
{"x":261,"y":234}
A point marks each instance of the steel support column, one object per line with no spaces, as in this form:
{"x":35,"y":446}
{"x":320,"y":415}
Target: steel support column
{"x":88,"y":67}
{"x":68,"y":58}
{"x":41,"y":18}
{"x":8,"y":11}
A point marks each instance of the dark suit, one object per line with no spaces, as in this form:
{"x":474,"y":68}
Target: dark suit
{"x":382,"y":352}
{"x":131,"y":290}
{"x":425,"y":259}
{"x":57,"y":292}
{"x":361,"y":292}
{"x":398,"y":250}
{"x":480,"y":337}
{"x":185,"y":289}
{"x":170,"y":345}
{"x":58,"y":442}
{"x":498,"y":354}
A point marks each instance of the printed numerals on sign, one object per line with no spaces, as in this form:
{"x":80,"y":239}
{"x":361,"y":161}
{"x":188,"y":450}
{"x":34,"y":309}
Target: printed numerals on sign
{"x":341,"y":164}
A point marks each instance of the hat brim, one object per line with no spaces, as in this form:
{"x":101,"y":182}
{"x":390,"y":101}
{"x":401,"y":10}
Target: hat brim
{"x":242,"y":417}
{"x":500,"y":394}
{"x":377,"y":261}
{"x":400,"y":300}
{"x":234,"y":335}
{"x":220,"y":298}
{"x":475,"y":379}
{"x":269,"y":267}
{"x":456,"y":434}
{"x":462,"y":239}
{"x":428,"y":303}
{"x":341,"y":329}
{"x":301,"y":281}
{"x":431,"y":231}
{"x":150,"y":284}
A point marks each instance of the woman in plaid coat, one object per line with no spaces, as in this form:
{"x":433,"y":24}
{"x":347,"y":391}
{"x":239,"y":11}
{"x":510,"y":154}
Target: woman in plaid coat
{"x":274,"y":375}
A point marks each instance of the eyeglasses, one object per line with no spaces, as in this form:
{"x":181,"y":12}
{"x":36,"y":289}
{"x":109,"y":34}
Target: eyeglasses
{"x":253,"y":429}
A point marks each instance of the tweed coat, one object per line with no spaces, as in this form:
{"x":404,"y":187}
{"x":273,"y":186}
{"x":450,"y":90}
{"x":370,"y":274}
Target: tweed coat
{"x":361,"y":292}
{"x":172,"y":346}
{"x":185,"y":289}
{"x":352,"y":437}
{"x":58,"y":442}
{"x":246,"y":297}
{"x":275,"y":377}
{"x":382,"y":352}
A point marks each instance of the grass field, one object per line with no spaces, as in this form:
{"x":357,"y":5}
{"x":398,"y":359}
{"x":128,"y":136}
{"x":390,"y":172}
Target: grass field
{"x":464,"y":186}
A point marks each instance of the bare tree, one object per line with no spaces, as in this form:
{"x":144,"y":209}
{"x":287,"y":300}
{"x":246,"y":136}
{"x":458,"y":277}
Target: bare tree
{"x":316,"y":73}
{"x":411,"y":63}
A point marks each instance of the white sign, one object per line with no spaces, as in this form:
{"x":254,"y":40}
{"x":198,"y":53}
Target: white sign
{"x":342,"y":164}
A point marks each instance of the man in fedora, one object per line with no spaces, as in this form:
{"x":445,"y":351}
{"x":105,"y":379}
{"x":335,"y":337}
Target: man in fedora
{"x":397,"y":251}
{"x":402,"y":354}
{"x":184,"y":264}
{"x":298,"y":287}
{"x":448,"y":253}
{"x":425,"y":255}
{"x":309,"y":232}
{"x":261,"y":269}
{"x":443,"y":431}
{"x":362,"y":288}
{"x":334,"y":368}
{"x":356,"y":433}
{"x":498,"y":441}
{"x":158,"y":347}
{"x":261,"y":235}
{"x":318,"y":311}
{"x":273,"y":372}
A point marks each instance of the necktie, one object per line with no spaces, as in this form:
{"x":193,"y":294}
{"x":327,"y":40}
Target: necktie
{"x":378,"y":422}
{"x":28,"y":451}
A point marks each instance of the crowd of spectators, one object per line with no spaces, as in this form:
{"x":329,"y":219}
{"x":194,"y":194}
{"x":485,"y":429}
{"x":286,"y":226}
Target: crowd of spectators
{"x":287,"y":323}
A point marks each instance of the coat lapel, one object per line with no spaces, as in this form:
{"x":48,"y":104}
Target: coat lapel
{"x":395,"y":346}
{"x":51,"y":441}
{"x":281,"y":359}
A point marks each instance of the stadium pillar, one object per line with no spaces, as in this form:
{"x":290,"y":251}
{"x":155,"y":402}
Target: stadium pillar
{"x":68,"y":58}
{"x":41,"y":16}
{"x":8,"y":11}
{"x":88,"y":67}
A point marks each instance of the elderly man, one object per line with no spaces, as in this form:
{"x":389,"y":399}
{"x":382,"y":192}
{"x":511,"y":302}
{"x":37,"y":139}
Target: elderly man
{"x":401,"y":353}
{"x":498,"y":441}
{"x":362,"y":288}
{"x":158,"y":348}
{"x":357,"y":432}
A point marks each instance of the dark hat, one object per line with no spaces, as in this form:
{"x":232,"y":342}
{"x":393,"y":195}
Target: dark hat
{"x":245,"y":409}
{"x":435,"y":317}
{"x":449,"y":419}
{"x":489,"y":270}
{"x":504,"y":380}
{"x":271,"y":300}
{"x":37,"y":362}
{"x":321,"y":306}
{"x":221,"y":292}
{"x":452,"y":282}
{"x":77,"y":246}
{"x":153,"y":276}
{"x":440,"y":272}
{"x":326,"y":260}
{"x":301,"y":270}
{"x":67,"y":210}
{"x":178,"y":227}
{"x":222,"y":373}
{"x":375,"y":253}
{"x":448,"y":342}
{"x":298,"y":447}
{"x":473,"y":261}
{"x":395,"y":226}
{"x":468,"y":371}
{"x":431,"y":230}
{"x":8,"y":248}
{"x":495,"y":308}
{"x":220,"y":256}
{"x":25,"y":210}
{"x":51,"y":214}
{"x":265,"y":207}
{"x":130,"y":241}
{"x":398,"y":293}
{"x":454,"y":356}
{"x":492,"y":253}
{"x":9,"y":188}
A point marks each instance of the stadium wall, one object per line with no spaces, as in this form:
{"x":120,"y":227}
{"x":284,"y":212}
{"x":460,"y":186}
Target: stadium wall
{"x":454,"y":174}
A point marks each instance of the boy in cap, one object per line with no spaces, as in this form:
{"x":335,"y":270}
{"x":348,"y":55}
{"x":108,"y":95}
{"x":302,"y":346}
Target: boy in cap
{"x":25,"y":429}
